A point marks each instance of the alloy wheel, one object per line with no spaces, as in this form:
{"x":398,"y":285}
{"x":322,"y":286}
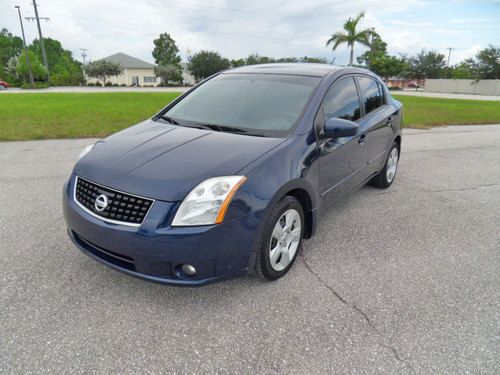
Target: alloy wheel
{"x":285,"y":240}
{"x":392,"y":164}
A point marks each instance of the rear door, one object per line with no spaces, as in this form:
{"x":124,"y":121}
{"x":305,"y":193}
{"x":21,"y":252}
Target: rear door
{"x":376,"y":121}
{"x":342,"y":161}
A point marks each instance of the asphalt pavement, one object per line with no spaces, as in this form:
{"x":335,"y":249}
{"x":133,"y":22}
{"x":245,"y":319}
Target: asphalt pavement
{"x":397,"y":281}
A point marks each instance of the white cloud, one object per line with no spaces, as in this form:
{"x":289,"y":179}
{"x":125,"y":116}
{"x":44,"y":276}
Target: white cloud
{"x":237,"y":28}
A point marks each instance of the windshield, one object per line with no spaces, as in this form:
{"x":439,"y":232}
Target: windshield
{"x":261,"y":104}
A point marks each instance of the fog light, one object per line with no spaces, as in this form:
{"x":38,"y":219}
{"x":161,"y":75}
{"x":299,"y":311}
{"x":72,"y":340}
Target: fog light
{"x":188,"y":270}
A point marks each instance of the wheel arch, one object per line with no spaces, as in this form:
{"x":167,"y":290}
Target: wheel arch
{"x":303,"y":191}
{"x":398,"y":142}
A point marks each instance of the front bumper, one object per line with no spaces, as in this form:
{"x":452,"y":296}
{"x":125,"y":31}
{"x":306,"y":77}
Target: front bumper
{"x":155,"y":251}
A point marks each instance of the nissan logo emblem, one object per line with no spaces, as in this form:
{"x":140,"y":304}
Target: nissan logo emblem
{"x":101,"y":202}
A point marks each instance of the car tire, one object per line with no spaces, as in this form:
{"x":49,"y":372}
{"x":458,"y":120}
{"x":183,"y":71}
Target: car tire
{"x":386,"y":176}
{"x":275,"y":256}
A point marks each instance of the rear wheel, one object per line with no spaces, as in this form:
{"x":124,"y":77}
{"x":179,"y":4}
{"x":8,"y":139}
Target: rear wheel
{"x":386,"y":176}
{"x":281,"y":239}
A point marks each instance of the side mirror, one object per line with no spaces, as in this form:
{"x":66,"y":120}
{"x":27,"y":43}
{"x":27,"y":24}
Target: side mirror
{"x":337,"y":128}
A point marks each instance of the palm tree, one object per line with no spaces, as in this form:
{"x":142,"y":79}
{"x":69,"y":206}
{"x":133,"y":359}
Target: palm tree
{"x":350,"y":35}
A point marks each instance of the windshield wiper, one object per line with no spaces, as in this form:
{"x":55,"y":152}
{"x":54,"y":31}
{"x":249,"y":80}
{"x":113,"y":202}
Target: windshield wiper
{"x":169,"y":119}
{"x":221,"y":128}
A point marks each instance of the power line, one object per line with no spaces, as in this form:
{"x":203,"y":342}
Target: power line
{"x":108,"y":20}
{"x":449,"y":55}
{"x":26,"y":51}
{"x":239,"y":10}
{"x":42,"y":45}
{"x":338,"y":18}
{"x":155,"y":27}
{"x":84,"y":54}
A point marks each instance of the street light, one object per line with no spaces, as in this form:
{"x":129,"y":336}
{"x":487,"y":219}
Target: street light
{"x":28,"y":63}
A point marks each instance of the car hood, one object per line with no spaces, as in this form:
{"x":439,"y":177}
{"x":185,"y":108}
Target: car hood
{"x":165,"y":162}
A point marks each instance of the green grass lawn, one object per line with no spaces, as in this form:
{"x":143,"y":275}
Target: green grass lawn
{"x":421,"y":112}
{"x":72,"y":115}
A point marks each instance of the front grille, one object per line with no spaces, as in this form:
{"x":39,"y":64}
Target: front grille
{"x":115,"y":206}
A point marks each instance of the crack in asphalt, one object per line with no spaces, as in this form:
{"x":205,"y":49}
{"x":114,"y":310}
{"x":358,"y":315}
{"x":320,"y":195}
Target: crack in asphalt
{"x":435,"y":189}
{"x":460,"y":189}
{"x":365,"y":316}
{"x":429,"y":131}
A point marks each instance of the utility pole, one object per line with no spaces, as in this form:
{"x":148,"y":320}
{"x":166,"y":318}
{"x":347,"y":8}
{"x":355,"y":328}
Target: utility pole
{"x":84,"y":54}
{"x":44,"y":55}
{"x":28,"y":62}
{"x":448,"y":63}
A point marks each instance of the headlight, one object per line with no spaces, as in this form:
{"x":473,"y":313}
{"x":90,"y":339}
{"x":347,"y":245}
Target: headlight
{"x":207,"y":203}
{"x":85,"y":151}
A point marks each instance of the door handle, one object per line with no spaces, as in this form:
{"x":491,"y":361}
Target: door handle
{"x":361,"y":139}
{"x":388,"y":121}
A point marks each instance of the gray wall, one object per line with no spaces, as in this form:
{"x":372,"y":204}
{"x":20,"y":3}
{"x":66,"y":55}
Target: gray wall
{"x":463,"y":86}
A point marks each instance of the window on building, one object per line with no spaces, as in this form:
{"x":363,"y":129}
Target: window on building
{"x":149,"y":79}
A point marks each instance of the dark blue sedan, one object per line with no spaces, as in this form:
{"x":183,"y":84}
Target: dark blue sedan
{"x":231,"y":176}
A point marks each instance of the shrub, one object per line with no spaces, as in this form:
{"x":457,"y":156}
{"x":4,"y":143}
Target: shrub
{"x":98,"y":83}
{"x":91,"y":84}
{"x":38,"y":85}
{"x":108,"y":84}
{"x":123,"y":85}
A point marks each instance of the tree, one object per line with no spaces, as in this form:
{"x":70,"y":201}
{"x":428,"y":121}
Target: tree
{"x":378,"y":48}
{"x":255,"y":59}
{"x":463,"y":70}
{"x":427,"y":65}
{"x":102,"y":69}
{"x":166,"y":51}
{"x":351,"y":35}
{"x":63,"y":68}
{"x":39,"y":72}
{"x":316,"y":60}
{"x":380,"y":62}
{"x":205,"y":63}
{"x":237,"y":63}
{"x":286,"y":60}
{"x":10,"y":46}
{"x":168,"y":73}
{"x":487,"y":65}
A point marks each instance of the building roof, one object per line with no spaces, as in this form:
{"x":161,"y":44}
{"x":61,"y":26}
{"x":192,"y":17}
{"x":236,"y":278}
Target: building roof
{"x":128,"y":61}
{"x":308,"y":69}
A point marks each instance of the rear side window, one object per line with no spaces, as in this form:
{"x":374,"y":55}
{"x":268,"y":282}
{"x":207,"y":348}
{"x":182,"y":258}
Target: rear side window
{"x":342,"y":100}
{"x":371,"y":94}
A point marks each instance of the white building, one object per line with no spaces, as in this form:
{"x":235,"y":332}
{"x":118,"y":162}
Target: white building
{"x":137,"y":72}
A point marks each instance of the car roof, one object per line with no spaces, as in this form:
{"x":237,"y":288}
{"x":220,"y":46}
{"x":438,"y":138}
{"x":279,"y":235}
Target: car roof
{"x":306,"y":69}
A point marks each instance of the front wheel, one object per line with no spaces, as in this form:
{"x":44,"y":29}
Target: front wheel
{"x":386,"y":176}
{"x":281,"y":239}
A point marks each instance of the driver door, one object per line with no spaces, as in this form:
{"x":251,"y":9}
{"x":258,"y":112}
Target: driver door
{"x":342,"y":161}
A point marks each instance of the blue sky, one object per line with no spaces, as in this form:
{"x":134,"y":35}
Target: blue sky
{"x":277,"y":28}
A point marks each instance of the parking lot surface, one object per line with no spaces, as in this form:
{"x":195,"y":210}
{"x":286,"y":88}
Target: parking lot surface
{"x":397,"y":281}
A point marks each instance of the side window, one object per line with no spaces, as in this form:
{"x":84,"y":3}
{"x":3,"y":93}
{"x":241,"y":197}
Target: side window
{"x":342,"y":100}
{"x":382,"y":92}
{"x":371,"y":94}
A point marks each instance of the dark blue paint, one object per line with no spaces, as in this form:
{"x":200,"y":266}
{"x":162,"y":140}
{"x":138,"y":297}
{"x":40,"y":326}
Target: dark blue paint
{"x":165,"y":162}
